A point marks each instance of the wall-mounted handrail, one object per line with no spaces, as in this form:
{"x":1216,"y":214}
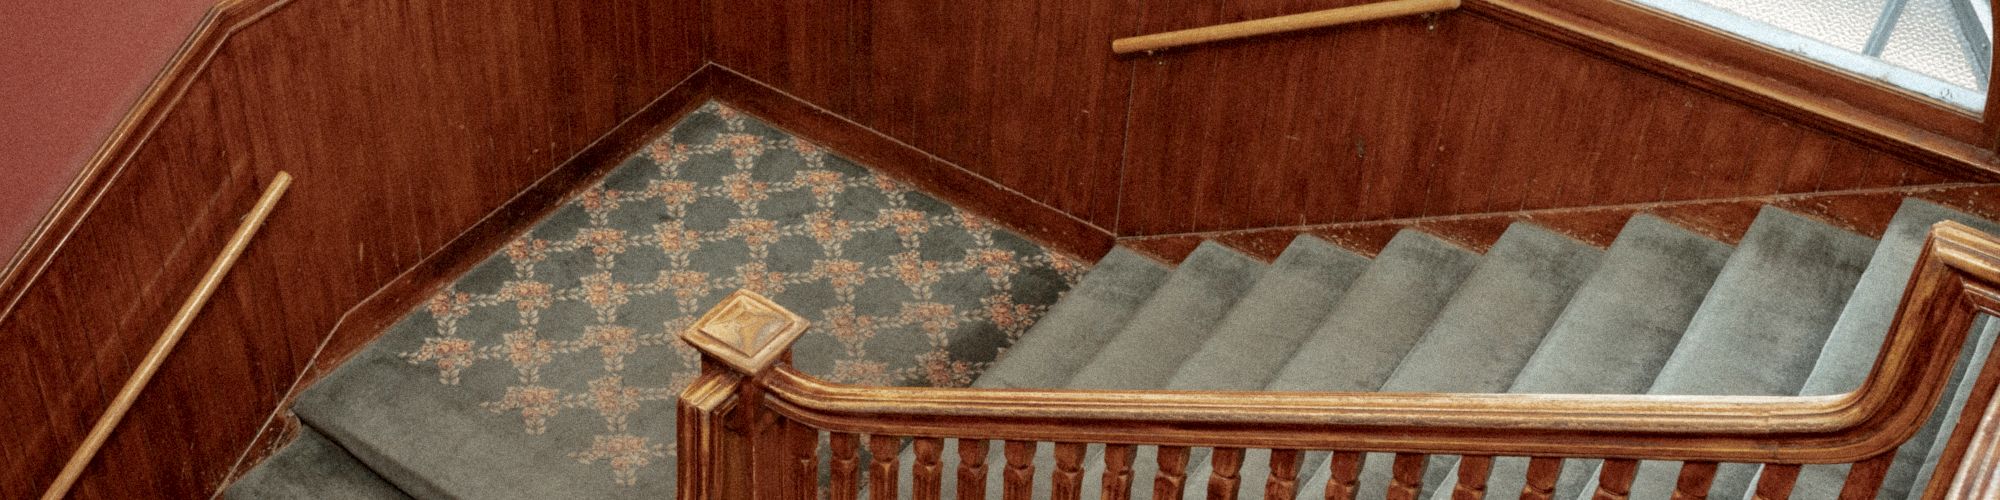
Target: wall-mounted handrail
{"x":169,"y":338}
{"x":1281,"y":24}
{"x":748,"y":430}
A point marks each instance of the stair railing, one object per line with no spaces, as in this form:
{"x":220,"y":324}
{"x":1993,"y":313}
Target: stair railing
{"x":749,"y":424}
{"x":1281,"y":24}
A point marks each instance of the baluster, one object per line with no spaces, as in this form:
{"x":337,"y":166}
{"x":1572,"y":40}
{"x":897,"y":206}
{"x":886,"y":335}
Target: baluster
{"x":845,"y":464}
{"x":1117,"y":472}
{"x":1284,"y":480}
{"x":1615,"y":481}
{"x":1344,"y":472}
{"x":1068,"y":476}
{"x":1865,"y":478}
{"x":803,"y":442}
{"x":1171,"y":482}
{"x":1019,"y":476}
{"x":1696,"y":478}
{"x":926,"y":475}
{"x":1223,"y":476}
{"x":1775,"y":482}
{"x":971,"y":468}
{"x":1472,"y":472}
{"x":882,"y":468}
{"x":1542,"y":474}
{"x":1409,"y":476}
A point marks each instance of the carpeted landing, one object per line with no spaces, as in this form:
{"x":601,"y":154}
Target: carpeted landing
{"x":551,"y":369}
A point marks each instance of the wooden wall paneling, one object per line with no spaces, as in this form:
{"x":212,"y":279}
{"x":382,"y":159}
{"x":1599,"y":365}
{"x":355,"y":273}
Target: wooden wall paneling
{"x":1464,"y":114}
{"x":404,"y":122}
{"x":1021,"y":93}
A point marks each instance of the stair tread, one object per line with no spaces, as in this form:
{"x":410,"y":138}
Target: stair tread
{"x":1290,"y":300}
{"x":1381,"y":317}
{"x":312,"y":467}
{"x":1490,"y":328}
{"x":1080,"y":324}
{"x":1761,"y":326}
{"x":1856,"y":340}
{"x":1174,"y":322}
{"x":1618,"y":331}
{"x":1969,"y":369}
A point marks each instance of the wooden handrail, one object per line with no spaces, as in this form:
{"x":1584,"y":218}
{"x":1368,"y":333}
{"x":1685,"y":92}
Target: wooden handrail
{"x":1281,"y":24}
{"x":169,"y":338}
{"x":755,"y":409}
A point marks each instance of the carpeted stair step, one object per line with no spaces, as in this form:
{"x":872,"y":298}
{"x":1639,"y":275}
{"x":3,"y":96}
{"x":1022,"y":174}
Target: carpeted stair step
{"x":1078,"y":326}
{"x":1618,"y":331}
{"x":312,"y":467}
{"x":1970,"y":364}
{"x":1761,"y":327}
{"x":1389,"y":306}
{"x":1172,"y":324}
{"x":1488,"y":331}
{"x":1292,"y":299}
{"x":1255,"y":339}
{"x":1856,"y":341}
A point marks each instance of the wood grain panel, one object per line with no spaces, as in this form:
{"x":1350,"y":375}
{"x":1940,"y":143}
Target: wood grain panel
{"x":1461,"y":114}
{"x":404,"y":123}
{"x":1024,"y":93}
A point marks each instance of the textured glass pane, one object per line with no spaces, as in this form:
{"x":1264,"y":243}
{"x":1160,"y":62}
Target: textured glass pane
{"x":1927,"y":39}
{"x":1840,"y":23}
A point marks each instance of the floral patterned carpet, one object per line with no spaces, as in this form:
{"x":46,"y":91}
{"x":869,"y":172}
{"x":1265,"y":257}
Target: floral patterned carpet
{"x":557,"y":357}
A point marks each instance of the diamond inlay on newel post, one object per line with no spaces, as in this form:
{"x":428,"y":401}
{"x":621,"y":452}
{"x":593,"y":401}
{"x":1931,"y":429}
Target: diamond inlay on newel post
{"x":746,"y":331}
{"x":730,"y":445}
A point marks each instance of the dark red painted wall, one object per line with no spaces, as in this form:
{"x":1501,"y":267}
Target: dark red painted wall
{"x":69,"y":71}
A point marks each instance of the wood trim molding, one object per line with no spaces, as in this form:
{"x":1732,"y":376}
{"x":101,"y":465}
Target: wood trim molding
{"x":1951,"y":141}
{"x":159,"y":101}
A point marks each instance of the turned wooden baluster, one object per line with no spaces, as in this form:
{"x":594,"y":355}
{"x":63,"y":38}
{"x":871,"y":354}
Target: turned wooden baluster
{"x":1472,"y":472}
{"x":971,"y":468}
{"x":1284,"y":480}
{"x":883,"y":454}
{"x":731,"y":446}
{"x":1542,"y":474}
{"x":1409,"y":476}
{"x":846,"y":465}
{"x":1344,"y":474}
{"x":1615,"y":481}
{"x":1223,"y":475}
{"x":1696,"y":478}
{"x":1117,"y":478}
{"x":1068,"y":476}
{"x":1171,"y":482}
{"x":1865,"y":478}
{"x":1775,"y":482}
{"x":1020,"y":473}
{"x":926,"y":475}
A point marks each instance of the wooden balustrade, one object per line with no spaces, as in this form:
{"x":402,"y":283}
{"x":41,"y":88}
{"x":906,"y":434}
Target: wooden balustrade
{"x":749,"y":423}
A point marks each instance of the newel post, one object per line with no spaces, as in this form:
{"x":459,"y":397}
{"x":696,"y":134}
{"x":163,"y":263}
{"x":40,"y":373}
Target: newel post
{"x":731,"y":445}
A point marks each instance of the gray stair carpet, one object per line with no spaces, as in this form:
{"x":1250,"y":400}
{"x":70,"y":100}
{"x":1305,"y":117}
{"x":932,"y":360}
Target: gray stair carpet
{"x":551,"y":369}
{"x":1256,"y":338}
{"x":1488,"y":331}
{"x":1076,"y":328}
{"x":312,"y":467}
{"x":1856,"y":341}
{"x":1172,"y":324}
{"x":1970,"y":364}
{"x":1761,"y":327}
{"x":1389,"y":306}
{"x":1615,"y":335}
